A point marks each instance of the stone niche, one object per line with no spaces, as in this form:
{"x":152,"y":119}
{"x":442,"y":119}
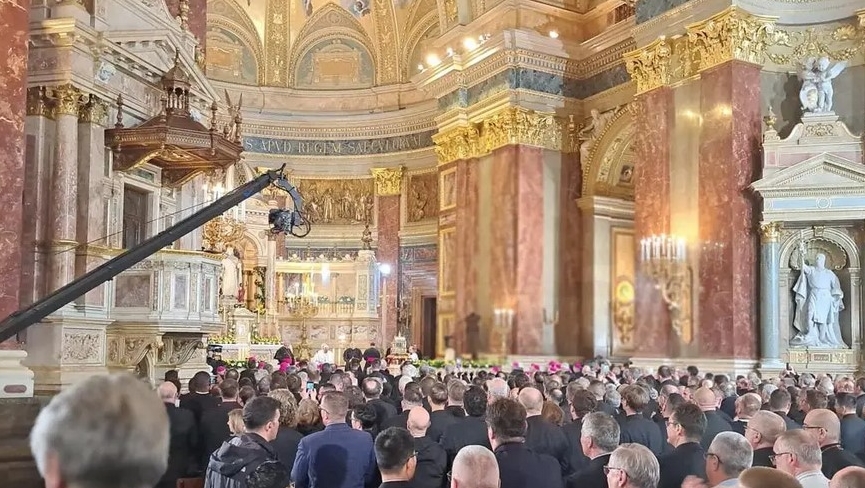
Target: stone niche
{"x":813,"y":192}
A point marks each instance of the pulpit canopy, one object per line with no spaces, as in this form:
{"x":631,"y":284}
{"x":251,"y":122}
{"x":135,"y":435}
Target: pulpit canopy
{"x":176,"y":140}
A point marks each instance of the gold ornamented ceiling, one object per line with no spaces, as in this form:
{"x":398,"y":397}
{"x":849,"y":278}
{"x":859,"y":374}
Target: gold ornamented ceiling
{"x":319,"y":44}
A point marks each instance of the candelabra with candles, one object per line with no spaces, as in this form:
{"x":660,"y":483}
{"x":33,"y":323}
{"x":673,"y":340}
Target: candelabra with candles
{"x":664,"y":259}
{"x":503,"y":322}
{"x":302,"y":306}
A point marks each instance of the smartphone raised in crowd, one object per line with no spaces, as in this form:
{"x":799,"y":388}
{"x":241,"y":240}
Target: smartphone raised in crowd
{"x":310,"y":385}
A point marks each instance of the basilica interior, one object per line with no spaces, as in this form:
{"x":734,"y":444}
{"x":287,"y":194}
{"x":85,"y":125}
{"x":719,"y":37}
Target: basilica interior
{"x":497,"y":180}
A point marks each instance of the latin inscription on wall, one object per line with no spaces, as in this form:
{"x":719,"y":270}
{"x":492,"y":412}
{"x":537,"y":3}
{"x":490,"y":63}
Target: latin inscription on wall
{"x":289,"y":147}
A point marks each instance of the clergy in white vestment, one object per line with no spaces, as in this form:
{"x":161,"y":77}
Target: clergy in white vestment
{"x":322,"y":356}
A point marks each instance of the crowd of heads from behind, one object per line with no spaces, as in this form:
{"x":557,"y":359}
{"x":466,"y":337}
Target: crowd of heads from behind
{"x":592,"y":425}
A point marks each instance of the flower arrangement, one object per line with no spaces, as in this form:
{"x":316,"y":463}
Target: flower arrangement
{"x":222,"y":339}
{"x":265,"y":340}
{"x":441,"y":363}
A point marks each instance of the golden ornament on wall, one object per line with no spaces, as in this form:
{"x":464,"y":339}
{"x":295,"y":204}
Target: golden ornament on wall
{"x":650,"y":66}
{"x":623,"y":311}
{"x":221,"y":232}
{"x":347,"y":202}
{"x":731,"y":34}
{"x":840,"y":43}
{"x":388,"y":181}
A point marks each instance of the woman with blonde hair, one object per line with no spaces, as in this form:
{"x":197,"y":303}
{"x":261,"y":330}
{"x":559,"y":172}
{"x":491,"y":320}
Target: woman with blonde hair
{"x":235,"y":422}
{"x":287,"y":437}
{"x":308,"y":417}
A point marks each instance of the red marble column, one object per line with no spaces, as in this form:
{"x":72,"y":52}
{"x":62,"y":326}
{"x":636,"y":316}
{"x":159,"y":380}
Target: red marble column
{"x":729,"y":155}
{"x":653,"y":122}
{"x":466,"y":258}
{"x":517,"y":233}
{"x":568,"y":338}
{"x":387,"y":251}
{"x":13,"y":78}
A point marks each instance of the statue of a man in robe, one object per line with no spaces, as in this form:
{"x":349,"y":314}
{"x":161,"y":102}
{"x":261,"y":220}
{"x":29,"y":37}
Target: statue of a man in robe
{"x":818,"y":299}
{"x":231,"y":273}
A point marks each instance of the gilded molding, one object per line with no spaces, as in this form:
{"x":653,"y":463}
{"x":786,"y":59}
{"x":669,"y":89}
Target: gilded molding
{"x":388,"y":43}
{"x":770,"y":232}
{"x":733,"y":34}
{"x":843,"y":41}
{"x":509,"y":126}
{"x":38,"y":103}
{"x":650,"y":66}
{"x":95,"y":111}
{"x":388,"y":181}
{"x":276,"y":32}
{"x":67,"y":98}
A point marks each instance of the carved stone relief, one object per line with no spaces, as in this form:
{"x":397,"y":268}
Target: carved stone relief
{"x":338,"y":201}
{"x":422,"y":197}
{"x":81,"y":346}
{"x":178,"y":350}
{"x":124,"y":351}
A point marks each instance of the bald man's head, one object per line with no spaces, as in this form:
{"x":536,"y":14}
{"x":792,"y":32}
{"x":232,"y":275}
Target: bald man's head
{"x":706,"y":399}
{"x":167,"y":392}
{"x":824,"y":425}
{"x":475,"y":467}
{"x":532,"y":400}
{"x":418,"y":421}
{"x":849,"y":477}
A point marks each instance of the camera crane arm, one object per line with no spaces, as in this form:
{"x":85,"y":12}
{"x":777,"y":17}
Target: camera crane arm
{"x":20,"y":320}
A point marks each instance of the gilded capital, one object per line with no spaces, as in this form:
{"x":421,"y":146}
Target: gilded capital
{"x":95,"y":111}
{"x":511,"y":125}
{"x":67,"y":99}
{"x":388,"y":181}
{"x":733,"y":34}
{"x":770,"y":231}
{"x":38,"y":103}
{"x":650,"y":67}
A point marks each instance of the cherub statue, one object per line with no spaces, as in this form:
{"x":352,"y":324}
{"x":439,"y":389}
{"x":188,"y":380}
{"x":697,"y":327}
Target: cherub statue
{"x":817,"y":75}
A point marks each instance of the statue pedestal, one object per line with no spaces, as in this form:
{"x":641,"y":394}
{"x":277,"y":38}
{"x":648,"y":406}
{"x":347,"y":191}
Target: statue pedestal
{"x":823,"y":360}
{"x":16,"y":380}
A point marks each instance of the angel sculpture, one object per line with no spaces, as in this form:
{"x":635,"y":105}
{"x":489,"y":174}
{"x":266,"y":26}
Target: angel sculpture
{"x":233,"y":127}
{"x":590,"y":134}
{"x":817,"y":75}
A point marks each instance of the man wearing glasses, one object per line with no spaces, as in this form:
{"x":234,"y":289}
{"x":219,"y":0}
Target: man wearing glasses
{"x":632,"y":466}
{"x":762,"y":431}
{"x":685,"y":429}
{"x":396,"y":458}
{"x":728,"y":456}
{"x":798,"y":454}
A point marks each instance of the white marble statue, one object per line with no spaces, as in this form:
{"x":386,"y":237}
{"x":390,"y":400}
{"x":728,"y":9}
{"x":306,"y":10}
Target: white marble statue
{"x":232,"y":271}
{"x":819,"y":301}
{"x":590,"y":134}
{"x":817,"y":75}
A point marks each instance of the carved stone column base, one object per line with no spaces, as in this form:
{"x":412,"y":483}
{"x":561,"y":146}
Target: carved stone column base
{"x":16,"y":380}
{"x":65,"y":350}
{"x":50,"y":380}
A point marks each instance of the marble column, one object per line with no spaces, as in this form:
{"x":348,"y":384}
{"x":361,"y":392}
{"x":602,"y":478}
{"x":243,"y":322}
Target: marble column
{"x":728,"y":157}
{"x":570,"y":336}
{"x":91,"y":226}
{"x":516,"y":280}
{"x":653,"y":121}
{"x":465,"y":259}
{"x":64,"y":187}
{"x":15,"y":380}
{"x":770,"y":300}
{"x":388,"y":188}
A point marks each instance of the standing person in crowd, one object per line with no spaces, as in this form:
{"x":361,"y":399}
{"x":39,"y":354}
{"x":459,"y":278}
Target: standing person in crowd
{"x":471,"y":429}
{"x":632,"y":466}
{"x":798,"y":454}
{"x":396,"y":458}
{"x":542,"y":436}
{"x":636,"y":427}
{"x":103,"y":430}
{"x":761,"y":477}
{"x":727,"y":457}
{"x":852,"y":426}
{"x":599,"y":437}
{"x":825,"y":427}
{"x":475,"y":467}
{"x":431,"y":458}
{"x":214,"y":421}
{"x":519,"y":466}
{"x":685,"y":428}
{"x":183,"y":454}
{"x":762,"y":432}
{"x":338,"y":456}
{"x":241,"y":456}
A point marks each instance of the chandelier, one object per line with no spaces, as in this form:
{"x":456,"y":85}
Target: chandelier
{"x":664,"y":259}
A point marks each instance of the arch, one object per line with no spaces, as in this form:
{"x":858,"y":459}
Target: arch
{"x":329,"y":22}
{"x":236,"y":21}
{"x":416,"y":34}
{"x":847,"y":244}
{"x":609,"y":159}
{"x":418,"y":11}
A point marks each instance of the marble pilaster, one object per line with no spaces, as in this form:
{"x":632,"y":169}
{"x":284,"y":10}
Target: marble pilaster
{"x":568,"y":336}
{"x":388,"y":188}
{"x":728,"y":156}
{"x":517,"y":231}
{"x":39,"y":129}
{"x":64,"y":187}
{"x":770,"y":300}
{"x":15,"y":380}
{"x":467,"y":246}
{"x":653,"y":116}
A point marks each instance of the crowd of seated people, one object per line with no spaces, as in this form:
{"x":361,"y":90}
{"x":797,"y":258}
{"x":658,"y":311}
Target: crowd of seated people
{"x":593,"y":425}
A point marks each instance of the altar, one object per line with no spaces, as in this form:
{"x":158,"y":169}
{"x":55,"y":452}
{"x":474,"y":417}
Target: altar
{"x":813,"y":192}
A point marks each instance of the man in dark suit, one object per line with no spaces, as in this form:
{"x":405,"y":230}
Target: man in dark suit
{"x":581,"y":403}
{"x":860,"y":396}
{"x":762,"y":431}
{"x":519,"y":466}
{"x":199,"y":399}
{"x":471,"y":429}
{"x":432,"y":460}
{"x":182,"y":453}
{"x":542,"y":436}
{"x":372,"y":387}
{"x":631,"y":466}
{"x":715,"y":424}
{"x":475,"y":467}
{"x":685,"y":428}
{"x":599,"y":438}
{"x":746,"y":406}
{"x":674,"y":401}
{"x":825,"y":427}
{"x":440,"y":417}
{"x":780,"y":403}
{"x":396,"y":458}
{"x":214,"y":430}
{"x":598,"y":389}
{"x":634,"y":426}
{"x":410,"y":399}
{"x":338,"y":456}
{"x":852,"y":426}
